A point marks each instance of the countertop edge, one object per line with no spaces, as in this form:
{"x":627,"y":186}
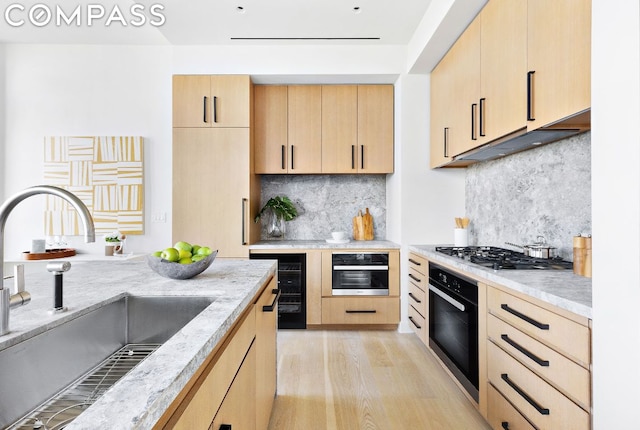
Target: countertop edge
{"x":560,"y":288}
{"x":322,"y":244}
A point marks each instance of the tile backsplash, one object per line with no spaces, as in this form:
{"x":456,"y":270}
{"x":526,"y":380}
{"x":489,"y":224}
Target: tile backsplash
{"x":327,"y":203}
{"x":544,"y":191}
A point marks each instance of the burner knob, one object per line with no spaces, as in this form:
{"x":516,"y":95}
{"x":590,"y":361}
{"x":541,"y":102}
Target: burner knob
{"x":496,"y":266}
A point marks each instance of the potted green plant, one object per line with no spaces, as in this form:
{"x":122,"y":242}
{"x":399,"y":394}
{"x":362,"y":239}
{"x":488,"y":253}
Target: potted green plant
{"x":279,"y":209}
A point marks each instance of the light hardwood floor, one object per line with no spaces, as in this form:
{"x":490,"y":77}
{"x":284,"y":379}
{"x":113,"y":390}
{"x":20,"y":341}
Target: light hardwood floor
{"x":352,"y":380}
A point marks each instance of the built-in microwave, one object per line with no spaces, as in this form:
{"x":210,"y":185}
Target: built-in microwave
{"x":360,"y":273}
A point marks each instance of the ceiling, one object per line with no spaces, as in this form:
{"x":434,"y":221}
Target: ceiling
{"x":212,"y":22}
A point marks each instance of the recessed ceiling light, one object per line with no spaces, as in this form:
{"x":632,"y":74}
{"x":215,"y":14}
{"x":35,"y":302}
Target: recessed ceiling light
{"x":356,"y":9}
{"x":240,"y":9}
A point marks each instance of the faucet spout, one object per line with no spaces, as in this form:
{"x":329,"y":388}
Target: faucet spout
{"x":5,"y":210}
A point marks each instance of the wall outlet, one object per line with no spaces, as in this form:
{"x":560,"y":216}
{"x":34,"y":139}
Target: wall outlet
{"x":159,"y":217}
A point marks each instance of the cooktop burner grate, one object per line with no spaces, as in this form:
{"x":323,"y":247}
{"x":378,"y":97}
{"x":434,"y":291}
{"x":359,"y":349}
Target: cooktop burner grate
{"x":501,"y":258}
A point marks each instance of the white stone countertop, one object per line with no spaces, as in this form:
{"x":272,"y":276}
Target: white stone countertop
{"x":561,"y":288}
{"x":139,"y":399}
{"x":323,"y":244}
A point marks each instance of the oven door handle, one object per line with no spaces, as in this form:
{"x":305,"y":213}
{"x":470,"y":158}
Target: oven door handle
{"x":447,"y":298}
{"x":360,"y":267}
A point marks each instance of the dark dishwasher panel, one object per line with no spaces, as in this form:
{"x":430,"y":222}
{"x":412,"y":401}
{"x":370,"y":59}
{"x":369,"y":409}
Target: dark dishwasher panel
{"x":292,"y":306}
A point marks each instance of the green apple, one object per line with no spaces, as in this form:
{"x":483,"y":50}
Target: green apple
{"x":185,"y":260}
{"x":185,"y":246}
{"x":184,"y":254}
{"x":205,"y":250}
{"x":170,"y":254}
{"x":198,"y":257}
{"x":194,"y":249}
{"x":157,"y":254}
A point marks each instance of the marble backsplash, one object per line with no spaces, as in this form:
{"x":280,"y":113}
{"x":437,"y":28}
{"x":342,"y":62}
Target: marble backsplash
{"x":327,"y":203}
{"x":544,"y":191}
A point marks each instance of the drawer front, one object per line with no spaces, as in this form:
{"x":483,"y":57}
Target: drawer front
{"x":418,"y":263}
{"x":418,"y":279}
{"x":361,"y":310}
{"x":502,"y":415}
{"x":418,"y":299}
{"x":418,"y":324}
{"x":563,"y":373}
{"x":564,"y":335}
{"x":542,"y":404}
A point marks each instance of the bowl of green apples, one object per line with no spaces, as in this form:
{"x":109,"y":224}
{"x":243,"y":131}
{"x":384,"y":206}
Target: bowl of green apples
{"x":182,"y":261}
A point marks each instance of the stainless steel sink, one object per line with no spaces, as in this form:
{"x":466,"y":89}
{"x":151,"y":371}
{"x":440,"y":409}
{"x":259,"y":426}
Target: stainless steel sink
{"x":105,"y":342}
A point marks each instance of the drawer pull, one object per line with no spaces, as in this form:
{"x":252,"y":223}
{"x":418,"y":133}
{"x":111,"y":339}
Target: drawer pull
{"x":414,"y":278}
{"x":505,"y":425}
{"x":364,"y":311}
{"x":225,"y":427}
{"x":419,"y":327}
{"x":272,"y":306}
{"x":522,"y":349}
{"x":523,"y":317}
{"x":415,"y":298}
{"x":417,"y":263}
{"x":540,"y":409}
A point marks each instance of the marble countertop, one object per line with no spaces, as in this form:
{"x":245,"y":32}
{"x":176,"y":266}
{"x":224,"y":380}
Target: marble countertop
{"x":561,"y":288}
{"x":323,"y":244}
{"x":140,"y":398}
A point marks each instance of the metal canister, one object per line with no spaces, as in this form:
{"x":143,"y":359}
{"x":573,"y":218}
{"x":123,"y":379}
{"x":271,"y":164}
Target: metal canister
{"x":582,"y":255}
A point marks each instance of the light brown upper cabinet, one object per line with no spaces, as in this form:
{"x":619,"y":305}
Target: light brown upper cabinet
{"x":340,"y":152}
{"x":312,"y":129}
{"x":305,"y":128}
{"x":375,"y":128}
{"x":211,"y":101}
{"x":272,"y":146}
{"x":518,"y":66}
{"x":559,"y":63}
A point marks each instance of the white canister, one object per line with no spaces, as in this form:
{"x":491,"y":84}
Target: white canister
{"x":460,"y":237}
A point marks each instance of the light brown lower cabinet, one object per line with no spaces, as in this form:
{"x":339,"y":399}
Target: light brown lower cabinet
{"x":360,"y":310}
{"x":502,"y":415}
{"x":236,"y":385}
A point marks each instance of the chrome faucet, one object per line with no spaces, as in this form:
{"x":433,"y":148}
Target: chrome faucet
{"x":7,"y":300}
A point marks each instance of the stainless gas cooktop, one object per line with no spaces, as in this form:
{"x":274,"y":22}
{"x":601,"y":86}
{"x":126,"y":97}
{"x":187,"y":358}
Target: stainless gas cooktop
{"x":500,"y":258}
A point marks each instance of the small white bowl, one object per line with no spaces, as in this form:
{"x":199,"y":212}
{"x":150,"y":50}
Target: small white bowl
{"x":339,"y":235}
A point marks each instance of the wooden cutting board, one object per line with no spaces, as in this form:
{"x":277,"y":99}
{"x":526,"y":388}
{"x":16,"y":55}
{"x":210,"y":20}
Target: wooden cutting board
{"x":363,"y":226}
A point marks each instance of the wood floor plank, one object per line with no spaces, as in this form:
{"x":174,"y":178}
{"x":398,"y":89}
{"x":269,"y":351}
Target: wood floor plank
{"x":365,"y":380}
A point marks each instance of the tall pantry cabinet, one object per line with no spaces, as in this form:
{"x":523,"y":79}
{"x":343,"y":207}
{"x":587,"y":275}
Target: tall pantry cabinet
{"x":215,"y":190}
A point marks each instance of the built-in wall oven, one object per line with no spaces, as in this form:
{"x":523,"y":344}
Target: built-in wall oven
{"x":453,"y":324}
{"x":360,"y":274}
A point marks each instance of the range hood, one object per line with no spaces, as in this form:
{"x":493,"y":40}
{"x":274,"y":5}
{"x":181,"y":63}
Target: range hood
{"x":522,"y":140}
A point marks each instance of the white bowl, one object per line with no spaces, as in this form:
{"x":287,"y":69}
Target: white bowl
{"x":339,"y":235}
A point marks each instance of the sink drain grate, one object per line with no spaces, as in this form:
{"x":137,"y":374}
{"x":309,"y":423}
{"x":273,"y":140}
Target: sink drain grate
{"x":56,"y":413}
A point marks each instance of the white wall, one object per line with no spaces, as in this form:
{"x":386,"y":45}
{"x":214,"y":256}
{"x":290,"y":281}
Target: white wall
{"x":615,"y":97}
{"x":2,"y":121}
{"x":122,"y":90}
{"x":85,"y":90}
{"x":421,"y":203}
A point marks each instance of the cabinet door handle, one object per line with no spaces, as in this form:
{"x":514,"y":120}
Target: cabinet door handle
{"x":292,"y":157}
{"x":524,"y":317}
{"x":353,"y":156}
{"x":244,"y":216}
{"x":272,"y":306}
{"x":415,"y":298}
{"x":520,"y":391}
{"x":215,"y":109}
{"x":417,"y":263}
{"x":530,"y":95}
{"x":225,"y":427}
{"x":204,"y":109}
{"x":474,"y":107}
{"x":364,"y":311}
{"x":362,"y":156}
{"x":419,"y":327}
{"x":482,"y":102}
{"x":446,"y":142}
{"x":505,"y":425}
{"x":522,"y":349}
{"x":282,"y":155}
{"x":414,"y":278}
